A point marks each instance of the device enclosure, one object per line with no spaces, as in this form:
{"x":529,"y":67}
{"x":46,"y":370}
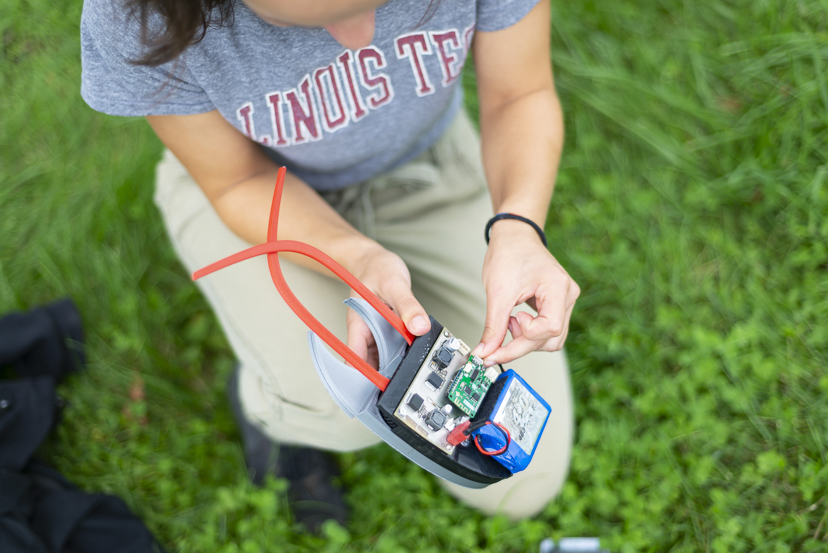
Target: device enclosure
{"x":466,"y":461}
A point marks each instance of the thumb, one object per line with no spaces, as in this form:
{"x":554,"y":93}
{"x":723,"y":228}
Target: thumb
{"x":498,"y":311}
{"x":401,"y":299}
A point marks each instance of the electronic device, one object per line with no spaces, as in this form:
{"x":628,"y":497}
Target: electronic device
{"x":431,"y":399}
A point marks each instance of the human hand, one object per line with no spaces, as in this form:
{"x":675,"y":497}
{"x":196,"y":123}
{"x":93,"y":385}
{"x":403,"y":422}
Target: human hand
{"x":385,"y":274}
{"x":518,"y":268}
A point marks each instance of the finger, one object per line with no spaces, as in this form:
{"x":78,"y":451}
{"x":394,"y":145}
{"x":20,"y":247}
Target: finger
{"x":513,"y":350}
{"x":562,"y":340}
{"x":558,"y":343}
{"x":551,"y":315}
{"x":498,"y":313}
{"x":525,"y":345}
{"x":574,"y":293}
{"x":398,"y":295}
{"x":514,"y":328}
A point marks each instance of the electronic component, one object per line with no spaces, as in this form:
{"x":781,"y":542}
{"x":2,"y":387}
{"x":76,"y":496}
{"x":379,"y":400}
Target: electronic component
{"x":511,"y":419}
{"x":469,"y":386}
{"x":436,"y":419}
{"x":435,"y":381}
{"x":415,"y":402}
{"x":443,"y":357}
{"x":430,"y":384}
{"x":452,"y":344}
{"x":436,"y":405}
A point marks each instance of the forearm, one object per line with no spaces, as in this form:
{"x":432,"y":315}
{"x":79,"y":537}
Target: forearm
{"x":522,"y":142}
{"x":304,"y":216}
{"x":238,"y":180}
{"x":521,"y":123}
{"x":522,"y":133}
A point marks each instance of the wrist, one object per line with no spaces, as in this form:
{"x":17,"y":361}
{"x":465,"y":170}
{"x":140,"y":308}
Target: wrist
{"x":530,"y":205}
{"x":510,"y":227}
{"x":358,"y":254}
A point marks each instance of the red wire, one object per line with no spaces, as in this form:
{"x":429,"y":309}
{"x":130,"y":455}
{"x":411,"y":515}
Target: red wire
{"x":340,"y":271}
{"x":272,"y":247}
{"x":499,"y":451}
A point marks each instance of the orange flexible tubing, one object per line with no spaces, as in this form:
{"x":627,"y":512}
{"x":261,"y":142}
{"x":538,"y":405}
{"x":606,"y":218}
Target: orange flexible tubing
{"x":272,"y":247}
{"x":326,"y":260}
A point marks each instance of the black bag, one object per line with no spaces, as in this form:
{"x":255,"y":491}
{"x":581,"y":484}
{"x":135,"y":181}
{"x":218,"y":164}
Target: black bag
{"x":40,"y":511}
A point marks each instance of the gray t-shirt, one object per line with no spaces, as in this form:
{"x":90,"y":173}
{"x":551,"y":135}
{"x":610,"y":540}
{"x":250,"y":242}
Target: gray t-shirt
{"x":333,"y":116}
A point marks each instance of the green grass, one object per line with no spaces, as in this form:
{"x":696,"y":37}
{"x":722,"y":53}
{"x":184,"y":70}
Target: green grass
{"x":692,"y":208}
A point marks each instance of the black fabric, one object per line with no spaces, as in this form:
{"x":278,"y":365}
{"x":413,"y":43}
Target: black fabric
{"x":47,"y":341}
{"x":41,"y":511}
{"x":26,"y":420}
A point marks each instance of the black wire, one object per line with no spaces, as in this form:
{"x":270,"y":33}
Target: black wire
{"x":481,"y":423}
{"x":505,"y":434}
{"x":475,"y":425}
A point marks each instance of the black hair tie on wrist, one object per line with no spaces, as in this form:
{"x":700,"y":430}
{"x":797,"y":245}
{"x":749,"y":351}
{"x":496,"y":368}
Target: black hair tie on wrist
{"x":501,"y":216}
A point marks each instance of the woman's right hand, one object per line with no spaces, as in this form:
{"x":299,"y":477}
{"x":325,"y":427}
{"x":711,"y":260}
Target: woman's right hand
{"x":385,"y":274}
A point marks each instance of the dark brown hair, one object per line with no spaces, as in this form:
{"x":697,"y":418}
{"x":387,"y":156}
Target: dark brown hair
{"x":185,"y":23}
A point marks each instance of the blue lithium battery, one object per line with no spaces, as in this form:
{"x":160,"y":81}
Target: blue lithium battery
{"x":521,"y":411}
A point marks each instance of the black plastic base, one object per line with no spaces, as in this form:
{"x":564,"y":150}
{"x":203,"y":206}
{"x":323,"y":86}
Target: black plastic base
{"x":466,"y":462}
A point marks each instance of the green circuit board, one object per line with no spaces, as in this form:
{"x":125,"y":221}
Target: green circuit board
{"x":469,"y":387}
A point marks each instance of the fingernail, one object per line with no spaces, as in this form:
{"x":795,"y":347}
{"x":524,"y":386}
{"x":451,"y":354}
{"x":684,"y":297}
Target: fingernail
{"x":480,"y":347}
{"x":419,"y":324}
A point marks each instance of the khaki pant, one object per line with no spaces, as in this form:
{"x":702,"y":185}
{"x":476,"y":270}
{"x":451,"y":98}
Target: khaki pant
{"x":431,"y":212}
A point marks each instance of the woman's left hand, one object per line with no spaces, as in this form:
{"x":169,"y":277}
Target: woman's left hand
{"x":517,"y":269}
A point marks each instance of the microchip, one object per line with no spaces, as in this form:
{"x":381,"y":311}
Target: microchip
{"x":434,"y":380}
{"x":468,"y":388}
{"x":415,"y":402}
{"x":436,"y":419}
{"x":443,"y":357}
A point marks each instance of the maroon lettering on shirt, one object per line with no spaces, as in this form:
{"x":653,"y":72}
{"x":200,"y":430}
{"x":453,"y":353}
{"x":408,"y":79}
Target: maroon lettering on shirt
{"x":245,"y":116}
{"x":346,"y":90}
{"x":277,"y":120}
{"x":447,"y":44}
{"x":373,"y":81}
{"x":468,"y":35}
{"x":334,"y":114}
{"x":414,"y":46}
{"x":346,"y":65}
{"x":303,"y":113}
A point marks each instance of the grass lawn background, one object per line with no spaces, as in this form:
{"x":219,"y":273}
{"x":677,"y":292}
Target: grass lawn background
{"x":691,"y":207}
